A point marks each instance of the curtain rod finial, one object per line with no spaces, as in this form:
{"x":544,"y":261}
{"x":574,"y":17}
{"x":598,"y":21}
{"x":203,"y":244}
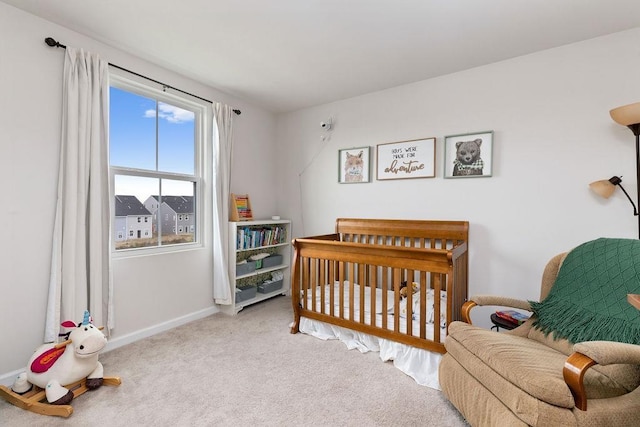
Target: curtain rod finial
{"x":50,"y":41}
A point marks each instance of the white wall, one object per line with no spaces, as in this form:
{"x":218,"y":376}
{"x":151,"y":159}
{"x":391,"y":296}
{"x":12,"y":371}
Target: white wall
{"x":553,"y":136}
{"x":150,"y":291}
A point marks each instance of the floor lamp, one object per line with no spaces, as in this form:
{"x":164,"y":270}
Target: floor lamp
{"x":627,"y":115}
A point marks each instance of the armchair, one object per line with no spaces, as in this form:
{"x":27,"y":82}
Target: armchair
{"x":537,"y":373}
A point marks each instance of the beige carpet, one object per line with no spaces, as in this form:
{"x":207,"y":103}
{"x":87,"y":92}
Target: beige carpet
{"x":248,"y":370}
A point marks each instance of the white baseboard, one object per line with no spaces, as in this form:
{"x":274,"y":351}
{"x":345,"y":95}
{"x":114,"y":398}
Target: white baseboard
{"x":160,"y":327}
{"x":8,"y":378}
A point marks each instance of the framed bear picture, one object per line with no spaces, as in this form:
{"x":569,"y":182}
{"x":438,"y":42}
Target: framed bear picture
{"x":353,"y":165}
{"x":468,"y":155}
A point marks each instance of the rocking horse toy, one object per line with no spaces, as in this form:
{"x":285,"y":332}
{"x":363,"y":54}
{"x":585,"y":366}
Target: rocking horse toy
{"x":73,"y":363}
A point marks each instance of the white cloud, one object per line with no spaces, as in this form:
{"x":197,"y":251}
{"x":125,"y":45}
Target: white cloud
{"x":171,"y":113}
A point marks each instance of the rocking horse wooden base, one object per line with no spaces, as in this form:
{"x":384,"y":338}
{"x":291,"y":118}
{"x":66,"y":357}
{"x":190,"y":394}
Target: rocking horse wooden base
{"x":36,"y":401}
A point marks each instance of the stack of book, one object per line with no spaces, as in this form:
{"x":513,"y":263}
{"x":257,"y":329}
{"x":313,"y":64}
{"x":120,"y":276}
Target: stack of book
{"x":512,"y":316}
{"x":256,"y":237}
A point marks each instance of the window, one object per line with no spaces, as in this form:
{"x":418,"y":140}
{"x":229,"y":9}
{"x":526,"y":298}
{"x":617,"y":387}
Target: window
{"x":155,"y":141}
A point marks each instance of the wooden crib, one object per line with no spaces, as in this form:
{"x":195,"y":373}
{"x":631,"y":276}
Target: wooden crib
{"x":353,"y":278}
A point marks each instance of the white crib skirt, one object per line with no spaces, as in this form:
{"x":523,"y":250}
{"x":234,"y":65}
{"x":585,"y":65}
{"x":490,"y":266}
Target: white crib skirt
{"x":419,"y":364}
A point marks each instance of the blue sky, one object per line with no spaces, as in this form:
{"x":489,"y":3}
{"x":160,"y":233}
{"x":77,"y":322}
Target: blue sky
{"x":132,"y":142}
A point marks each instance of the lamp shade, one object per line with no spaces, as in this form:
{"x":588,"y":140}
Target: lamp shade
{"x":626,"y":115}
{"x":605,"y":187}
{"x":602,"y":188}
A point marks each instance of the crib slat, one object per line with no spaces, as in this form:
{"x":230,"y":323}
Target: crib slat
{"x":332,"y":287}
{"x":363,"y":286}
{"x":352,"y":278}
{"x":373,"y":284}
{"x":409,"y":279}
{"x":305,"y":280}
{"x":385,"y":288}
{"x":397,"y":278}
{"x":423,"y":305}
{"x":313,"y":282}
{"x":341,"y":268}
{"x":323,"y":284}
{"x":437,"y":287}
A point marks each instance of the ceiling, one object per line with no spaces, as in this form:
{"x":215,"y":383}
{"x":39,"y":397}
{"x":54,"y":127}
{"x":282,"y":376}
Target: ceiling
{"x":285,"y":55}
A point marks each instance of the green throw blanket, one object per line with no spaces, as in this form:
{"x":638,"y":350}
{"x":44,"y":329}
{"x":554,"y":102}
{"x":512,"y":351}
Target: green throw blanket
{"x":588,"y":301}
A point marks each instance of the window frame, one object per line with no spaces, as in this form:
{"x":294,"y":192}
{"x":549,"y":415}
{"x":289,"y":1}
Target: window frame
{"x":201,"y":116}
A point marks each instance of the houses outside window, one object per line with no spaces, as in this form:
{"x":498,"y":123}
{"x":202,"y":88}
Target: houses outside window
{"x":155,"y":144}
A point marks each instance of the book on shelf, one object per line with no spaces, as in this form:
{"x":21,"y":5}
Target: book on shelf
{"x":256,"y":237}
{"x":513,"y":316}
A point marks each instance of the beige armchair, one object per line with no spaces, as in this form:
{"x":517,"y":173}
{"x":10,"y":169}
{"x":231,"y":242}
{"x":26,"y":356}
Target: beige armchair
{"x":526,"y":377}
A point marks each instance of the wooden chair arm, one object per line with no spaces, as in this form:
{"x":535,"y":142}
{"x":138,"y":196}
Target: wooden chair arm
{"x":634,"y":300}
{"x":573,"y":372}
{"x":466,"y":311}
{"x":483,"y":300}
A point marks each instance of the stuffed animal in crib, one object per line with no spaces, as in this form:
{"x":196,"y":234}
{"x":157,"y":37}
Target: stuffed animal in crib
{"x":54,"y":365}
{"x":404,"y":288}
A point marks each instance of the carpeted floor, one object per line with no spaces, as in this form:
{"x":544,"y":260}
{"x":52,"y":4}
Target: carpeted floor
{"x":248,"y":370}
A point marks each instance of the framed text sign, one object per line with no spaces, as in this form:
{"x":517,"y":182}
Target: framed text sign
{"x":406,"y":159}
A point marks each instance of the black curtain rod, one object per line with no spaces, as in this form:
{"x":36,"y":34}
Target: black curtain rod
{"x":53,"y":43}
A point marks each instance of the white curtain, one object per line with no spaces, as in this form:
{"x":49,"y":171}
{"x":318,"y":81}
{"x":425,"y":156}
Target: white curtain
{"x":80,"y":261}
{"x":222,"y":153}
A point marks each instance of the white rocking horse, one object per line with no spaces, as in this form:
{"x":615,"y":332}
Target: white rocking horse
{"x":73,"y":363}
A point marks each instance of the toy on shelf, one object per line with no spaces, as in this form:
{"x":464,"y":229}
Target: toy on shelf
{"x":73,"y":363}
{"x":240,"y":209}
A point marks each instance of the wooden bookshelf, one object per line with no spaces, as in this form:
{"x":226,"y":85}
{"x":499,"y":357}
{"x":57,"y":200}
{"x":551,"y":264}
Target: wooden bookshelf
{"x":240,"y":208}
